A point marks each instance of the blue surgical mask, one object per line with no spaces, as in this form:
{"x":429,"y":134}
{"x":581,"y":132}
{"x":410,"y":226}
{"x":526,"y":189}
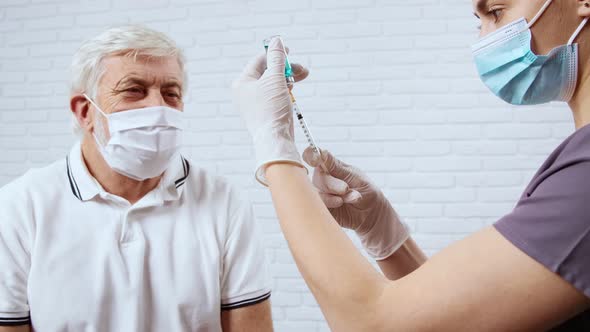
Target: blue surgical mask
{"x":508,"y":66}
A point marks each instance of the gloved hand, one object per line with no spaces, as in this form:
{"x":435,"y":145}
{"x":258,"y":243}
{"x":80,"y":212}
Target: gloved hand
{"x":262,"y":97}
{"x":357,"y":204}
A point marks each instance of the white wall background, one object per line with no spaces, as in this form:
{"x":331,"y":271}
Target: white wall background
{"x":392,"y":90}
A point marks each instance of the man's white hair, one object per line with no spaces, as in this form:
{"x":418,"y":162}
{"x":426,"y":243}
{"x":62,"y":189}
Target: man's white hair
{"x":129,"y":40}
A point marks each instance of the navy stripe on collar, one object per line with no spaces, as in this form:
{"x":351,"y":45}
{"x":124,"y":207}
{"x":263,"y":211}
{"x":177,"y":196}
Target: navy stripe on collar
{"x":76,"y":191}
{"x":73,"y":184}
{"x":187,"y":169}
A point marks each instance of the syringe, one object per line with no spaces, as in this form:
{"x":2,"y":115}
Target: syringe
{"x":290,"y":80}
{"x":306,"y":131}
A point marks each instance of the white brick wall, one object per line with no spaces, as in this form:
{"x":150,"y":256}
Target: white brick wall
{"x":392,"y":90}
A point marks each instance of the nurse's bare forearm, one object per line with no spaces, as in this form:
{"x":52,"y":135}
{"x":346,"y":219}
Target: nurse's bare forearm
{"x":345,"y":285}
{"x":21,"y":328}
{"x":404,"y":261}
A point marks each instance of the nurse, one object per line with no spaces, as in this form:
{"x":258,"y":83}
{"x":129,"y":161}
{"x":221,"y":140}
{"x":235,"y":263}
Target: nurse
{"x":530,"y":271}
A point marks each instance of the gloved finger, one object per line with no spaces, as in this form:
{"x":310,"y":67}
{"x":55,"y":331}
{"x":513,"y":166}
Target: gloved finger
{"x":299,"y":72}
{"x":255,"y":68}
{"x":329,"y":184}
{"x":275,"y":56}
{"x":352,"y":197}
{"x":311,"y":157}
{"x":334,"y":166}
{"x":331,"y":201}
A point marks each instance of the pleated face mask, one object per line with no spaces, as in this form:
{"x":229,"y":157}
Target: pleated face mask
{"x":142,"y":141}
{"x":513,"y":72}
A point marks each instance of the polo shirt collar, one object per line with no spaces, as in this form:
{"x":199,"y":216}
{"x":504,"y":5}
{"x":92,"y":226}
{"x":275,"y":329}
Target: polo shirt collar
{"x":173,"y":181}
{"x":81,"y":183}
{"x":84,"y":187}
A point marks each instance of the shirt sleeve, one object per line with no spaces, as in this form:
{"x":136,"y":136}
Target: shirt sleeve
{"x":551,"y":223}
{"x":14,"y":256}
{"x":245,"y":279}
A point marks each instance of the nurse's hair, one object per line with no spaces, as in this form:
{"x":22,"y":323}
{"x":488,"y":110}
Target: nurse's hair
{"x":128,"y":40}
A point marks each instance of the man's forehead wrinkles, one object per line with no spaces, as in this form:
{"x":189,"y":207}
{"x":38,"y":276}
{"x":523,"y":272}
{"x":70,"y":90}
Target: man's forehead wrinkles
{"x":152,"y":80}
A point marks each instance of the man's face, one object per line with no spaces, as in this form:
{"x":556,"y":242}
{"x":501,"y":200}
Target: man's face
{"x":554,"y":27}
{"x":131,"y":83}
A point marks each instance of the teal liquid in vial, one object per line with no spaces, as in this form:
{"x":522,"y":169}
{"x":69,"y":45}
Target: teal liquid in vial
{"x":288,"y":68}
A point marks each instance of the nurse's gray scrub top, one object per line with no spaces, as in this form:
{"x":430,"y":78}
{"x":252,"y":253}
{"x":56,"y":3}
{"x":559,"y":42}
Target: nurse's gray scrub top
{"x":551,"y":222}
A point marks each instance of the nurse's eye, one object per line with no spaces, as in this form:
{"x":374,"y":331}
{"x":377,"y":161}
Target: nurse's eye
{"x":496,"y":14}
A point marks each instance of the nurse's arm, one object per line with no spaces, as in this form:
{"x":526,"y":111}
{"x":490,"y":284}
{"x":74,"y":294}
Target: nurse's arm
{"x":253,"y":318}
{"x":21,"y":328}
{"x":403,"y":261}
{"x":482,"y":283}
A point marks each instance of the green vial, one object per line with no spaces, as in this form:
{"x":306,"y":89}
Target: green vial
{"x":288,"y":69}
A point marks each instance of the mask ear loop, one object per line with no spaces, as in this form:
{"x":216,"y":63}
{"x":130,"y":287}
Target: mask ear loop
{"x":577,"y":32}
{"x":541,"y":12}
{"x":94,"y":104}
{"x":102,"y":139}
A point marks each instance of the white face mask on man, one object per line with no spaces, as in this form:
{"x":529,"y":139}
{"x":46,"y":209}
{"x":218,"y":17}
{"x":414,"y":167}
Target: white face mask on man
{"x":142,"y":141}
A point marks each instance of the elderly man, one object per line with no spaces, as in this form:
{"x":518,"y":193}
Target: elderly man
{"x":125,"y":234}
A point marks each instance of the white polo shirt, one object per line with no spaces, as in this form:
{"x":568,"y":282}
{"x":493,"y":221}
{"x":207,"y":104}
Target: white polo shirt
{"x":76,"y":258}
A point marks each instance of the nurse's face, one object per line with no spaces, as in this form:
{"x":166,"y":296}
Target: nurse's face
{"x":554,"y":28}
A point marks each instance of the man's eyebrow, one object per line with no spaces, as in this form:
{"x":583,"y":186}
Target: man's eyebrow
{"x":172,"y":84}
{"x":481,"y":6}
{"x":132,"y":79}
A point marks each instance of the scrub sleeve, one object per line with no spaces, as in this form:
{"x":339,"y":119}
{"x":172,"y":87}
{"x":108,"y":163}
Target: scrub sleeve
{"x":551,"y":221}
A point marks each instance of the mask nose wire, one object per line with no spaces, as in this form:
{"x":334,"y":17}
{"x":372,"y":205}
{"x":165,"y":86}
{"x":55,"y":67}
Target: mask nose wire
{"x":578,"y":30}
{"x":540,"y":13}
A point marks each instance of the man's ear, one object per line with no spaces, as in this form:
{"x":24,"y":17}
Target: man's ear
{"x":584,"y":8}
{"x":79,"y":106}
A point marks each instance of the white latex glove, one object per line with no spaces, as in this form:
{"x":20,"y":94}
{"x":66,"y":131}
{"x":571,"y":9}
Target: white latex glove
{"x":262,"y":97}
{"x":358,"y":204}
